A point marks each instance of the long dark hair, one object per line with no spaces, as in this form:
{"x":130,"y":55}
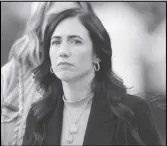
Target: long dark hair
{"x":105,"y":82}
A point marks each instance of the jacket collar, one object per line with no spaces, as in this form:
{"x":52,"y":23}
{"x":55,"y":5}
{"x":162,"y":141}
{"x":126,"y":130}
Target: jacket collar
{"x":100,"y":127}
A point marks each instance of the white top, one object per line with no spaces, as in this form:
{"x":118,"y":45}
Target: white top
{"x":74,"y":110}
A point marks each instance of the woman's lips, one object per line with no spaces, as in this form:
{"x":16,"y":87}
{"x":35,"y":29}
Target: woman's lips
{"x":65,"y":64}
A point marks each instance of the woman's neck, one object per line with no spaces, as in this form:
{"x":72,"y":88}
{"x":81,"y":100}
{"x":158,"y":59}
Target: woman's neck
{"x":78,"y":89}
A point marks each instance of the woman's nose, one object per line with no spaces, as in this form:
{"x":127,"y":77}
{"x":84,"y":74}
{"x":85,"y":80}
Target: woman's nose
{"x":64,"y":50}
{"x":63,"y":54}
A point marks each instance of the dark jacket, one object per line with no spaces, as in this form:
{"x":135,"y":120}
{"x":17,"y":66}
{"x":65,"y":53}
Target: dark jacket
{"x":104,"y":128}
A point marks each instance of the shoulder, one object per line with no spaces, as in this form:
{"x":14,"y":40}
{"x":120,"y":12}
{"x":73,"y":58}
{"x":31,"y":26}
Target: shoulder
{"x":145,"y":121}
{"x":137,"y":103}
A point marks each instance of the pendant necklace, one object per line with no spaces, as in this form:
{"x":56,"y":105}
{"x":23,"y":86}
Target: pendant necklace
{"x":73,"y":129}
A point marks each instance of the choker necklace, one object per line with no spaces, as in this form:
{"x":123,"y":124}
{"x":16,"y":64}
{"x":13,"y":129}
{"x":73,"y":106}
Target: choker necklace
{"x":75,"y":101}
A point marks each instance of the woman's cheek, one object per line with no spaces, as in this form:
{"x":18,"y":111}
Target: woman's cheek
{"x":52,"y":54}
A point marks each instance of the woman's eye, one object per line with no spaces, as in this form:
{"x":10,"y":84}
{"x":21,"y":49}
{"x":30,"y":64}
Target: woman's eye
{"x":77,"y":42}
{"x":55,"y":42}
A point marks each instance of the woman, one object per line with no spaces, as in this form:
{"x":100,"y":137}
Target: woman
{"x":84,"y":102}
{"x":18,"y":89}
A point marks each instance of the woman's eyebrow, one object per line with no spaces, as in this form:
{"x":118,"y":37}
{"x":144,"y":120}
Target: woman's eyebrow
{"x":56,"y":37}
{"x":74,"y":36}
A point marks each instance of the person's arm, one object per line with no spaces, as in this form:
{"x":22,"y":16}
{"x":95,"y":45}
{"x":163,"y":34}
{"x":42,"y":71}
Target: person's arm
{"x":146,"y":124}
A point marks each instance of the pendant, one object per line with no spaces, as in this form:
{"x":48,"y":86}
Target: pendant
{"x":73,"y":129}
{"x":70,"y":139}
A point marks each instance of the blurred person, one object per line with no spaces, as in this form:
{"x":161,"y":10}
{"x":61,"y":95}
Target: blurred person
{"x":84,"y":102}
{"x":18,"y":89}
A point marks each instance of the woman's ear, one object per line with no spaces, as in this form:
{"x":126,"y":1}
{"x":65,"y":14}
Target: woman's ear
{"x":97,"y":60}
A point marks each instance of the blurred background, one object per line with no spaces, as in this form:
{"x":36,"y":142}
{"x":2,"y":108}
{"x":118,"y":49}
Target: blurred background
{"x":138,"y":36}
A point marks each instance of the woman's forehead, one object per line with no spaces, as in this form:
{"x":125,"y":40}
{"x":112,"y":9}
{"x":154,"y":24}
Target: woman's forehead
{"x":70,"y":26}
{"x":57,"y":7}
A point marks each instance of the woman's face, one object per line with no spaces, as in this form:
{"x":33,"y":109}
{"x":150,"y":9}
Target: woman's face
{"x":71,"y":50}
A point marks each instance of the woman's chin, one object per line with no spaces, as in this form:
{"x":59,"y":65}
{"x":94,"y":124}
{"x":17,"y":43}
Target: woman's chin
{"x":65,"y":77}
